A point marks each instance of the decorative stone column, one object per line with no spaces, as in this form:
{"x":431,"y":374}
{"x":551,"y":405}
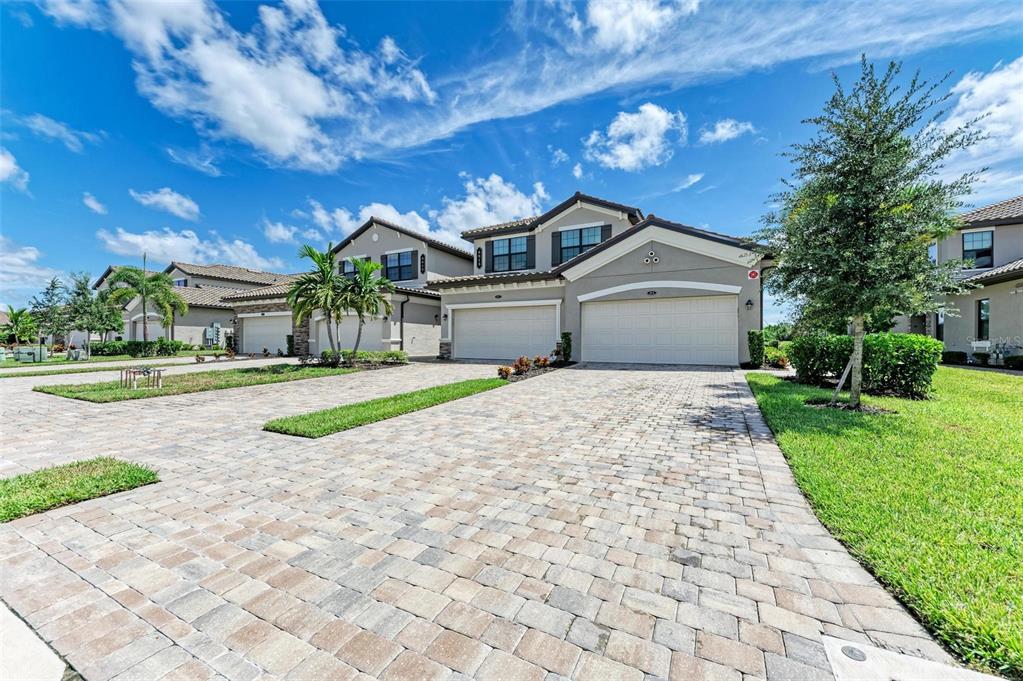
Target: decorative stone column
{"x":445,"y":350}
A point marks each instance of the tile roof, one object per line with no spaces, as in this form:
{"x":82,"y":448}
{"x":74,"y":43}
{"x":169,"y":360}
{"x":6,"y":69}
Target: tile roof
{"x":228,"y":273}
{"x":1010,"y":210}
{"x":492,"y":278}
{"x":278,"y":290}
{"x":532,"y":223}
{"x":425,"y":238}
{"x":106,"y":273}
{"x":1007,"y":272}
{"x":205,"y":296}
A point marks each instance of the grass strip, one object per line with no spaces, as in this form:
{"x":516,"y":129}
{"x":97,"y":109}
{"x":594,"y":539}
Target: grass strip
{"x":930,"y":498}
{"x":200,"y":381}
{"x":70,"y":483}
{"x":86,"y":370}
{"x":97,"y":359}
{"x":336,"y":419}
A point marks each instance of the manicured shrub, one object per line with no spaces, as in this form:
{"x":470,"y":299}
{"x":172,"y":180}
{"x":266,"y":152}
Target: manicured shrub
{"x":755,"y":340}
{"x":290,"y":342}
{"x":982,"y":358}
{"x":899,"y":364}
{"x":330,"y":358}
{"x":504,"y":372}
{"x":776,"y":358}
{"x":374,"y":357}
{"x":953,"y":357}
{"x":565,"y":355}
{"x":522,"y":365}
{"x":108,"y":348}
{"x":1014,"y":362}
{"x":541,"y":361}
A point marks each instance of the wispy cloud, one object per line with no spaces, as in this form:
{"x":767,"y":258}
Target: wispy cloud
{"x":168,"y":200}
{"x":21,"y":275}
{"x":167,"y":245}
{"x":11,"y":173}
{"x":724,"y":130}
{"x":634,"y":141}
{"x":93,"y":204}
{"x":689,"y":181}
{"x":201,"y":160}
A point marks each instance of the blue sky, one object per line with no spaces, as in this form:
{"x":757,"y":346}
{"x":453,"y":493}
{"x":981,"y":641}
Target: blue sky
{"x":233,"y":132}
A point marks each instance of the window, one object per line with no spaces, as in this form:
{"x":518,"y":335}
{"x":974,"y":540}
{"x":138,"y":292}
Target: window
{"x":983,"y":318}
{"x":979,"y":247}
{"x":510,"y":254}
{"x":939,"y":325}
{"x":347,"y":268}
{"x":576,"y":241}
{"x":398,"y":266}
{"x":181,"y":283}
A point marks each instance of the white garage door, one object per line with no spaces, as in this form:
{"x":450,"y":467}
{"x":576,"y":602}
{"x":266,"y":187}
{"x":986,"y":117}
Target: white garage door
{"x":265,"y":332}
{"x":702,"y":330}
{"x":371,"y":334}
{"x":155,"y":330}
{"x":504,"y":332}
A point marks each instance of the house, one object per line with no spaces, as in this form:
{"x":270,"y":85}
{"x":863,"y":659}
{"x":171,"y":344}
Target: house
{"x":628,"y":287}
{"x":409,"y":259}
{"x":209,"y":319}
{"x":991,"y":313}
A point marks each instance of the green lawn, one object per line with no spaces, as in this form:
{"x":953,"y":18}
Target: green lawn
{"x":49,"y":488}
{"x":81,"y":368}
{"x":336,"y":419}
{"x":201,"y":381}
{"x":930,"y":498}
{"x":61,"y":358}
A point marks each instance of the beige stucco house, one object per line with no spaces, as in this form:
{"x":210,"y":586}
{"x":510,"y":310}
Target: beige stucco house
{"x":990,"y":317}
{"x":628,"y":288}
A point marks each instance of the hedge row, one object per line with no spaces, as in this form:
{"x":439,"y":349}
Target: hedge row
{"x":899,"y":364}
{"x":161,"y":347}
{"x":364,"y":357}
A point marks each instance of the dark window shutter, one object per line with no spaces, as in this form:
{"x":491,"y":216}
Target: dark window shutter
{"x":531,"y":251}
{"x":555,"y":249}
{"x":605,"y":233}
{"x":490,"y":257}
{"x":422,"y":262}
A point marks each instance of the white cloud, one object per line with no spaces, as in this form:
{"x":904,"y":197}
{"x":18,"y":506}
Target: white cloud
{"x":278,"y":232}
{"x":11,"y":173}
{"x":74,"y":12}
{"x":630,"y":26}
{"x":93,"y":204}
{"x":488,"y":201}
{"x":634,"y":141}
{"x":577,"y":171}
{"x":166,"y":199}
{"x":690,"y":180}
{"x":46,"y":127}
{"x":186,"y":245}
{"x":558,"y":155}
{"x":724,"y":130}
{"x":202,"y":160}
{"x":21,"y":275}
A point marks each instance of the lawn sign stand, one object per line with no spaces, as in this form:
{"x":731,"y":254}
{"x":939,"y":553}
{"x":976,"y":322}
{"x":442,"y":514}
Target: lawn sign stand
{"x":151,"y":378}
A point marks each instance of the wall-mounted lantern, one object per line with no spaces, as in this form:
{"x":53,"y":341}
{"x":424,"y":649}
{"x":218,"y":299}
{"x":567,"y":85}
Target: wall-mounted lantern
{"x":749,"y":305}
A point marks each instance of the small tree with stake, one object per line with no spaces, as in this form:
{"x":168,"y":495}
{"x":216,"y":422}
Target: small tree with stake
{"x":851,"y":232}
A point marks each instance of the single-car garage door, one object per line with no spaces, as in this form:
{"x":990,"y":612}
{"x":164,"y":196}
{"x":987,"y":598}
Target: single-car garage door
{"x":155,"y":330}
{"x":504,"y":332}
{"x":269,"y":332}
{"x":699,"y":330}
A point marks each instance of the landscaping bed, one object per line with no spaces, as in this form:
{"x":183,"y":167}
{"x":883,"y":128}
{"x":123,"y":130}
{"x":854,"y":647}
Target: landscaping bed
{"x":111,"y":391}
{"x":50,"y":488}
{"x":345,"y":417}
{"x":930,"y":499}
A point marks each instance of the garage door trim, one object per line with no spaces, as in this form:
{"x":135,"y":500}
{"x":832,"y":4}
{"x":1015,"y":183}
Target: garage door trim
{"x":511,"y":303}
{"x":263,"y":314}
{"x":705,"y":285}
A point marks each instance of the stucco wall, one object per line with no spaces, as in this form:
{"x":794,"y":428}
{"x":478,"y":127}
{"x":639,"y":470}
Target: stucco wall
{"x":388,"y":240}
{"x":441,"y":264}
{"x":1006,"y":325}
{"x":1008,"y":245}
{"x":188,"y":328}
{"x":207,"y":281}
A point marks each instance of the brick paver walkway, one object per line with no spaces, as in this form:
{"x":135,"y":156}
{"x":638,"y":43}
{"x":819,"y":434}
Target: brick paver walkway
{"x":588,"y":523}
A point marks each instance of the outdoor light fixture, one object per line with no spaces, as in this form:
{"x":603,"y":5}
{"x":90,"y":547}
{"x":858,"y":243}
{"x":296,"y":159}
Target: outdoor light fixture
{"x":445,"y":316}
{"x":749,"y":305}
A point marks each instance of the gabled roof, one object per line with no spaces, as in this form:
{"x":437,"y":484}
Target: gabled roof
{"x":426,"y":238}
{"x":205,"y":296}
{"x":491,"y":278}
{"x":1004,"y":212}
{"x":278,"y":290}
{"x":227,"y":273}
{"x":531,"y":223}
{"x":106,"y":273}
{"x":1007,"y":272}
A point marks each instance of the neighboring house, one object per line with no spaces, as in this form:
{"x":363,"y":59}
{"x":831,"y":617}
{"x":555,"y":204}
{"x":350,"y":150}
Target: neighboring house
{"x":992,"y":312}
{"x":628,"y":288}
{"x":204,"y":287}
{"x":409,"y":259}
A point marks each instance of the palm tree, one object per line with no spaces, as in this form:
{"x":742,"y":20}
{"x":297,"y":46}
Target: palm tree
{"x":318,"y":289}
{"x":20,"y":324}
{"x":128,"y":283}
{"x":366,"y":293}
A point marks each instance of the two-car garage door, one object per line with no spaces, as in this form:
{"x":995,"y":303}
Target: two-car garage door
{"x":694,"y":330}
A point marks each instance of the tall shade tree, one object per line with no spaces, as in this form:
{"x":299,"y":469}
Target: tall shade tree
{"x":110,"y":314}
{"x":91,"y":311}
{"x":20,"y":324}
{"x":49,"y":310}
{"x":318,"y":289}
{"x":867,"y":197}
{"x":366,"y":293}
{"x":154,"y":290}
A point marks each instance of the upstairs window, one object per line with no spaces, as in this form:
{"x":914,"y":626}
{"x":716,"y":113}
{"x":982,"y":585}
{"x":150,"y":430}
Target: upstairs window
{"x":347,"y":269}
{"x":979,"y":247}
{"x":398,"y":266}
{"x":576,"y":241}
{"x":510,"y":254}
{"x":181,"y":283}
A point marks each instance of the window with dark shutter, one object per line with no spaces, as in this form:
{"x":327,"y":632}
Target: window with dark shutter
{"x":577,"y":241}
{"x":511,"y":254}
{"x":399,"y":266}
{"x":555,"y":249}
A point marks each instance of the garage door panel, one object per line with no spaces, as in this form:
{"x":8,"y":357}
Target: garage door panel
{"x":504,"y":332}
{"x":266,"y":332}
{"x":693,"y":330}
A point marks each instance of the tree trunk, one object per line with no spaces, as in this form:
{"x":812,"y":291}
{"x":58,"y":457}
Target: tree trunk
{"x":358,"y":338}
{"x":330,"y":331}
{"x":145,"y":322}
{"x":857,"y":363}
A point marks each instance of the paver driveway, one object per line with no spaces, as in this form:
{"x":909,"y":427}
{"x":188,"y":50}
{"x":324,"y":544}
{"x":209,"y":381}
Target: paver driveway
{"x":591,"y":523}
